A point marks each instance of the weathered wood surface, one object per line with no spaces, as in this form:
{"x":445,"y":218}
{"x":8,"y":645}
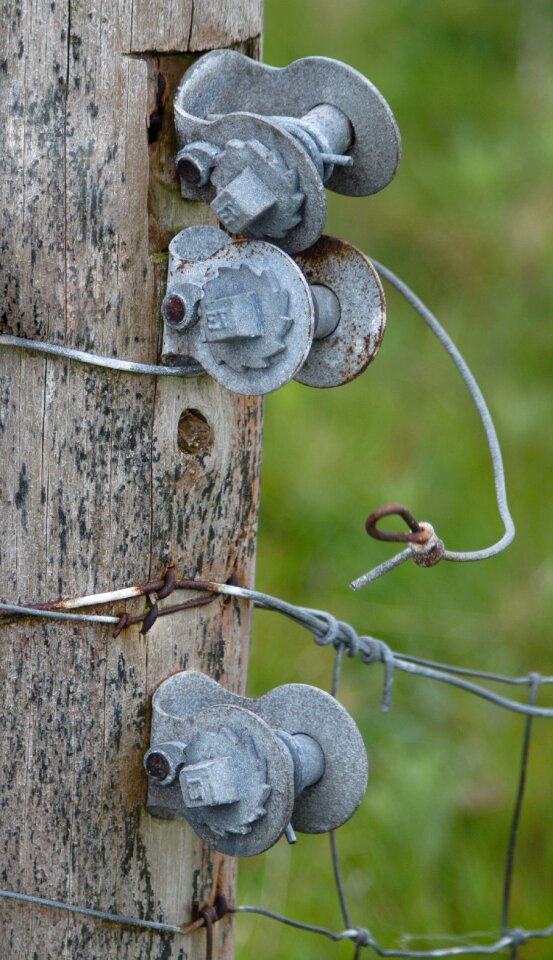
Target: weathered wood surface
{"x":99,"y":486}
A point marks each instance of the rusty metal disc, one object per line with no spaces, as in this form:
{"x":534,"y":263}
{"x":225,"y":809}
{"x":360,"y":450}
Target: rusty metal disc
{"x":348,"y":350}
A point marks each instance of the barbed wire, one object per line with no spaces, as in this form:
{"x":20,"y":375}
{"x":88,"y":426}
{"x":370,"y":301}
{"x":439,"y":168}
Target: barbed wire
{"x":327,"y":630}
{"x":426,"y":549}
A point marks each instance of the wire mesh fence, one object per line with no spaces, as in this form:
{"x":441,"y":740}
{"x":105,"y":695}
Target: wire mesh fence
{"x":426,"y":549}
{"x":328,"y":631}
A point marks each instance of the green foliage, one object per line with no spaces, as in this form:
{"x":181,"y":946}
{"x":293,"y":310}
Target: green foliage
{"x":467,"y":223}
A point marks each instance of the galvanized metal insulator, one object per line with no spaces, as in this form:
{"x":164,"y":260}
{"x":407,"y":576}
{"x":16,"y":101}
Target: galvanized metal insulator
{"x":306,"y":757}
{"x":261,"y":144}
{"x":327,"y":310}
{"x":249,"y":775}
{"x":325,"y":132}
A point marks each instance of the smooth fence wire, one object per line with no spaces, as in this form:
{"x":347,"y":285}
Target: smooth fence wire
{"x":431,"y":550}
{"x":491,"y":436}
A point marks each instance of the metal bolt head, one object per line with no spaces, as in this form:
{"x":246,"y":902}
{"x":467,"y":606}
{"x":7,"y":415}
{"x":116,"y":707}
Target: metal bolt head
{"x":190,"y":170}
{"x":196,"y":161}
{"x":257,"y":193}
{"x":243,"y":201}
{"x":180,"y":306}
{"x":174,"y":309}
{"x":163,"y":762}
{"x":210,"y":783}
{"x":158,"y":767}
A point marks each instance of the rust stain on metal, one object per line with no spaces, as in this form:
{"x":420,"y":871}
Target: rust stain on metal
{"x":348,"y":351}
{"x":418,"y":533}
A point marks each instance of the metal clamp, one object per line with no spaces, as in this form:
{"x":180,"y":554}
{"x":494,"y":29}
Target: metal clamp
{"x":254,"y":319}
{"x":260,"y":143}
{"x":244,"y":772}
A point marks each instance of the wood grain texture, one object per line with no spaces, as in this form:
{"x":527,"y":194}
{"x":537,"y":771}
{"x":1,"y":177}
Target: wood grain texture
{"x":95,"y":491}
{"x":193,"y":24}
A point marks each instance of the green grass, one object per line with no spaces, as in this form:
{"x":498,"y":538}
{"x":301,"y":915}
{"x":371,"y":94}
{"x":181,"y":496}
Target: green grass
{"x":467,"y":223}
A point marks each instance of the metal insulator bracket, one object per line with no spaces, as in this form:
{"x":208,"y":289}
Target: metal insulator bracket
{"x":244,"y":772}
{"x":260,"y":143}
{"x":254,"y":318}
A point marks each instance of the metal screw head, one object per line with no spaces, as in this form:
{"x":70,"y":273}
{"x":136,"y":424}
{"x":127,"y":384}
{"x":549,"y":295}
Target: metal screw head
{"x":163,"y":762}
{"x":157,"y":766}
{"x":195,"y":162}
{"x":174,"y":309}
{"x":190,"y":170}
{"x":180,"y":306}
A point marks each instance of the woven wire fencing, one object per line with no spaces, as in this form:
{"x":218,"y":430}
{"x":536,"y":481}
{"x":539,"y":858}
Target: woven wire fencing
{"x":420,"y":544}
{"x":503,"y":934}
{"x":328,"y":631}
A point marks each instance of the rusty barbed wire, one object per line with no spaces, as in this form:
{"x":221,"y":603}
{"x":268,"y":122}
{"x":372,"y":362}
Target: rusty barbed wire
{"x":344,"y":639}
{"x":153,"y":590}
{"x":326,"y":629}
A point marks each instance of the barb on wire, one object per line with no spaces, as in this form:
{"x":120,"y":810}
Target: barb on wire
{"x":326,"y":631}
{"x":493,"y":444}
{"x":189,"y":369}
{"x":325,"y":628}
{"x":154,"y":590}
{"x":121,"y":622}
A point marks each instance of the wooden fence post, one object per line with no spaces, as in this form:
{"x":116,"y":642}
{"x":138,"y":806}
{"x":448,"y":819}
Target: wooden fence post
{"x":104,"y":476}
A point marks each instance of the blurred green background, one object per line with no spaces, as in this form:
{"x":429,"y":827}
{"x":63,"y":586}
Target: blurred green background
{"x":467,"y":223}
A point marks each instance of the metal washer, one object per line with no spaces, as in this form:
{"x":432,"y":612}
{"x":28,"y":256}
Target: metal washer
{"x":344,"y":354}
{"x":299,"y":708}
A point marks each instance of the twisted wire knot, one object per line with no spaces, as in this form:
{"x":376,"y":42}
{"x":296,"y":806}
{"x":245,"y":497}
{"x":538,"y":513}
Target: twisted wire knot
{"x":370,"y":649}
{"x":363,"y":938}
{"x":336,"y":632}
{"x":518,"y":937}
{"x":428,"y":550}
